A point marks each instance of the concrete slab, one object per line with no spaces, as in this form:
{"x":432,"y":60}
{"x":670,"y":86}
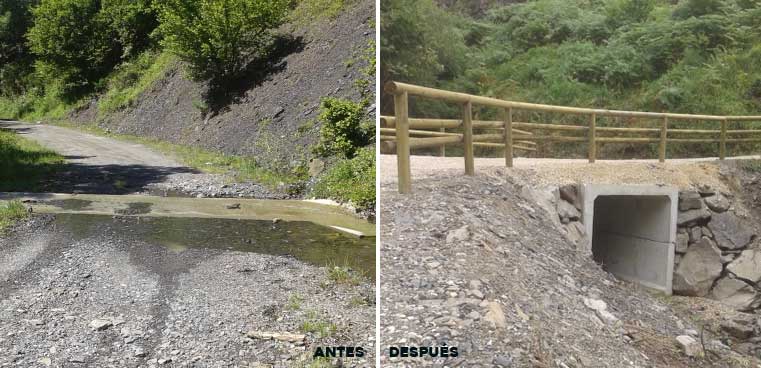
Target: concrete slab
{"x":633,"y":231}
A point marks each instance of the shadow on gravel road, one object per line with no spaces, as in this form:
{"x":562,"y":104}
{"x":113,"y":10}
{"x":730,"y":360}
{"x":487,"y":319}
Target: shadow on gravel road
{"x":108,"y":179}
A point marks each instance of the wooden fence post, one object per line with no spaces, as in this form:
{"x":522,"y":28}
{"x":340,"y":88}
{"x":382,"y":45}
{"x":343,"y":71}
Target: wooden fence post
{"x":401,"y":114}
{"x":508,"y":119}
{"x":443,"y":147}
{"x":723,"y":142}
{"x":592,"y":143}
{"x":662,"y":147}
{"x":467,"y":124}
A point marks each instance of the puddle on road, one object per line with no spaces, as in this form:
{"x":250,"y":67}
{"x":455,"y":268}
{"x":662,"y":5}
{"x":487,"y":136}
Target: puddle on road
{"x":306,"y":241}
{"x":135,"y":208}
{"x":70,"y":204}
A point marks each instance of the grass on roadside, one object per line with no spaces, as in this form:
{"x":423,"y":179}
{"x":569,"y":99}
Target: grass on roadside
{"x":10,"y":212}
{"x":24,"y":164}
{"x":320,"y":327}
{"x":343,"y":275}
{"x":351,"y":180}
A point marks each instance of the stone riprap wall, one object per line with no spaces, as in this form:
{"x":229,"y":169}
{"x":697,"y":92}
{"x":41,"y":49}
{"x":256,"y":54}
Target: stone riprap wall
{"x":716,"y":251}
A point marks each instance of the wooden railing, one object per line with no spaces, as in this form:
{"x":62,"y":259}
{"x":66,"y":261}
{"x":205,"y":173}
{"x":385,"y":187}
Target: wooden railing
{"x":401,"y":133}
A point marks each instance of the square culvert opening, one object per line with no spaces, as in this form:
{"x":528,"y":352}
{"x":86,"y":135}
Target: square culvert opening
{"x":633,"y":231}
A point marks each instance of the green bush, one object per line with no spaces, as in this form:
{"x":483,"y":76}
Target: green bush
{"x":344,"y":128}
{"x":217,"y":37}
{"x":350,"y":180}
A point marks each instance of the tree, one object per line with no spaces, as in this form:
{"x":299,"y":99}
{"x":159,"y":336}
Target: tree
{"x":15,"y":58}
{"x":217,"y":37}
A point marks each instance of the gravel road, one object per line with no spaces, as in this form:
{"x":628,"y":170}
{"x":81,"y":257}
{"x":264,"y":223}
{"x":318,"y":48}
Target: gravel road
{"x":88,"y":294}
{"x":102,"y":165}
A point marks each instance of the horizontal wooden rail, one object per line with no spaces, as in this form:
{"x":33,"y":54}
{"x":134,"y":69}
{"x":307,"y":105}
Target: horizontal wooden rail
{"x":437,"y":94}
{"x":400,"y":132}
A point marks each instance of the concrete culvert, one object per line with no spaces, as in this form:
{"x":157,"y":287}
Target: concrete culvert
{"x":633,"y":230}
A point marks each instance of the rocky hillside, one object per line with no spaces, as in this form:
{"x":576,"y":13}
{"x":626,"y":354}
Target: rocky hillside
{"x":498,"y":276}
{"x":273,"y":114}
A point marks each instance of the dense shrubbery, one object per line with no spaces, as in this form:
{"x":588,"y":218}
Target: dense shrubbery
{"x":691,"y":56}
{"x":217,"y":37}
{"x":345,"y":128}
{"x":78,"y":42}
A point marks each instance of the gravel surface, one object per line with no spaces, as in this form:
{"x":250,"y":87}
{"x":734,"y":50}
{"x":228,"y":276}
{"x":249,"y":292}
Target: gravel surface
{"x":88,"y":296}
{"x":539,"y":172}
{"x":485,"y":269}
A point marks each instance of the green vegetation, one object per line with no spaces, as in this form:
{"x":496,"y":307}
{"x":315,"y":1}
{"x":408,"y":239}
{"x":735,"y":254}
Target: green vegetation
{"x":24,"y":164}
{"x":307,"y":11}
{"x":216,"y":37}
{"x":294,"y":302}
{"x":691,"y":56}
{"x":315,"y":325}
{"x":10,"y":212}
{"x":350,"y":180}
{"x":78,"y":42}
{"x":130,"y":79}
{"x":345,"y":128}
{"x":56,"y":54}
{"x":344,"y":275}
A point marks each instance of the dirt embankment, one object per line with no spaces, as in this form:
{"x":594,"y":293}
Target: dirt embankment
{"x":486,"y":269}
{"x":272,"y":119}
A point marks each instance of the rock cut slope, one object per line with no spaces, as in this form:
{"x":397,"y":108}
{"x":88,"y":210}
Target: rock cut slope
{"x":271,"y":119}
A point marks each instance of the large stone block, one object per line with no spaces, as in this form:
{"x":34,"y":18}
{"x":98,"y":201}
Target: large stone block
{"x":698,"y":269}
{"x":689,"y":201}
{"x":729,"y":231}
{"x":693,"y":217}
{"x":735,"y":293}
{"x":747,"y":266}
{"x":717,"y":203}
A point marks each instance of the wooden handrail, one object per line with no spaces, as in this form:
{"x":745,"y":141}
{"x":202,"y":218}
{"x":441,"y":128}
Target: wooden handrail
{"x":396,"y":130}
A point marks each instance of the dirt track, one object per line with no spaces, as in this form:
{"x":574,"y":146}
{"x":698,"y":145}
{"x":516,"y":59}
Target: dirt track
{"x":91,"y":150}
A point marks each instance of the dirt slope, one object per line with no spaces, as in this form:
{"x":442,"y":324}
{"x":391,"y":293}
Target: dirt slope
{"x":466,"y":251}
{"x":317,"y":61}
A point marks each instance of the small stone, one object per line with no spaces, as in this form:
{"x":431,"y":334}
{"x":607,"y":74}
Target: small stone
{"x":458,"y":235}
{"x":689,"y":345}
{"x":717,"y":203}
{"x":705,"y":190}
{"x":276,"y":220}
{"x":495,"y":315}
{"x":77,"y":359}
{"x":682,"y":241}
{"x":695,"y":234}
{"x":567,"y":212}
{"x":164,"y":361}
{"x":100,"y":324}
{"x":140,"y":352}
{"x":503,"y":361}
